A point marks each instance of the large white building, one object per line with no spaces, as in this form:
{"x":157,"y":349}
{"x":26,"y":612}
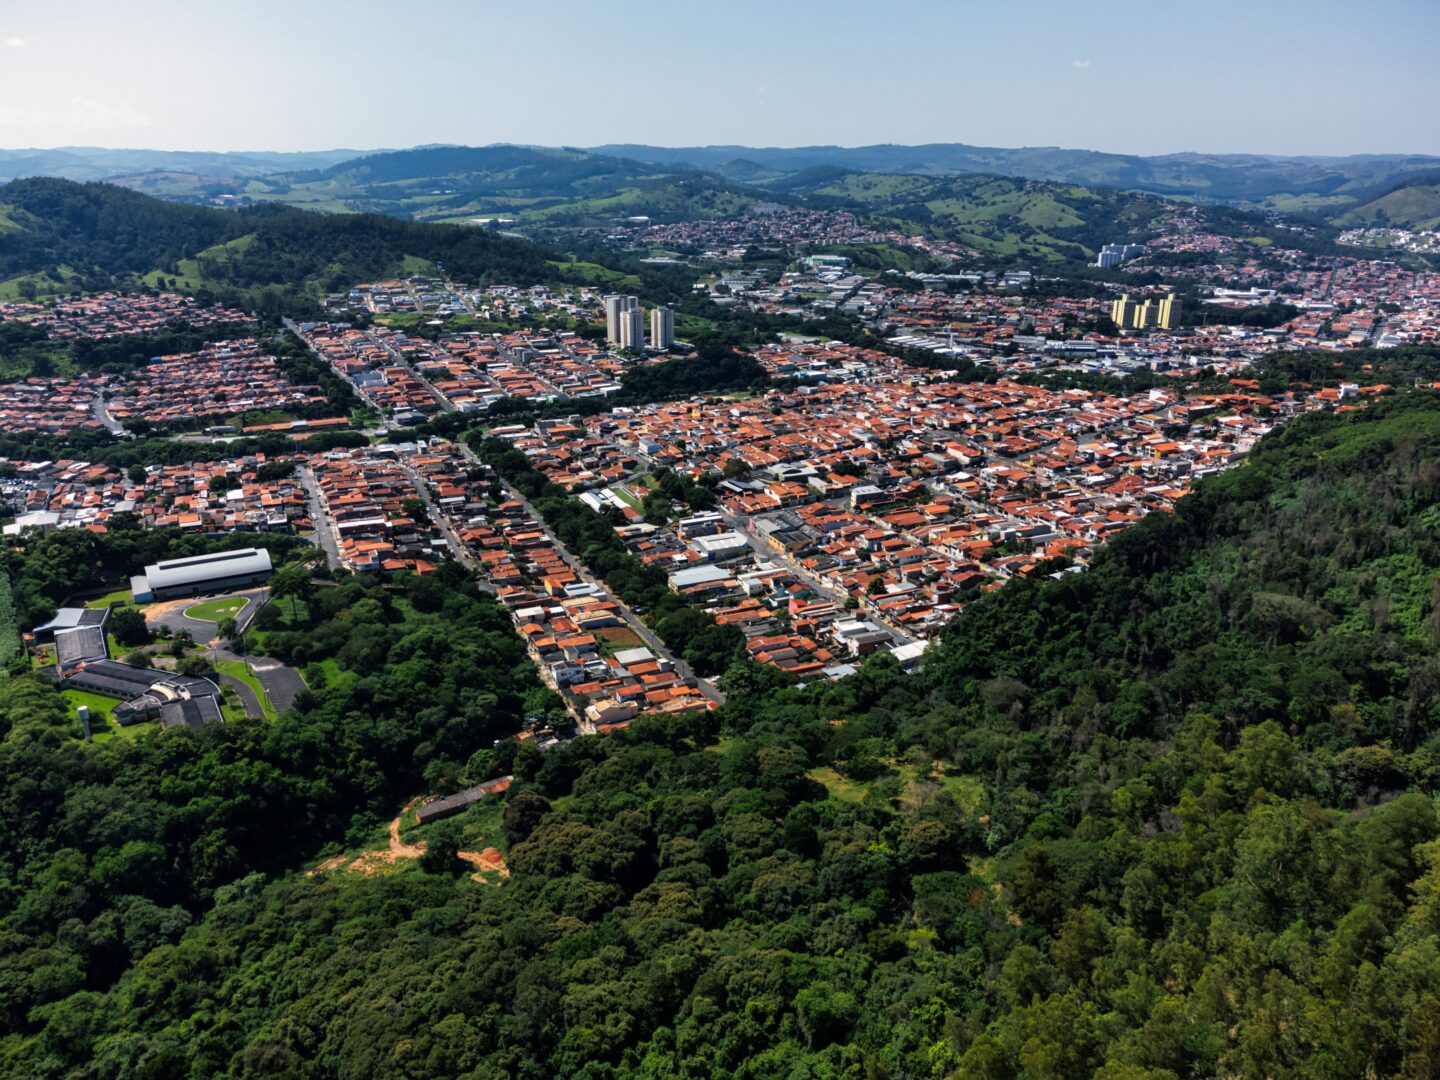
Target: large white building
{"x":662,"y":328}
{"x":1112,"y":255}
{"x":219,"y":572}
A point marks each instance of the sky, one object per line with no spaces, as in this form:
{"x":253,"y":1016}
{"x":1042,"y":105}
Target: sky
{"x":1261,"y":76}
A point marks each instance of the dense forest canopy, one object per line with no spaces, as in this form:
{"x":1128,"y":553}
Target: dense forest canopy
{"x":1172,"y":816}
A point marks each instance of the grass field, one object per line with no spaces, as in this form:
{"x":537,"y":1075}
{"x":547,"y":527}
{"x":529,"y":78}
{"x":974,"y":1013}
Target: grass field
{"x":44,"y":285}
{"x":590,"y":273}
{"x":916,"y":784}
{"x":625,"y":495}
{"x":215,"y":610}
{"x":102,"y":728}
{"x":838,"y":786}
{"x":191,"y":272}
{"x":119,"y":596}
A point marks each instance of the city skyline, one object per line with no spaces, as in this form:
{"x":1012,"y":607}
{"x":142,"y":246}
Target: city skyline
{"x":1283,"y":79}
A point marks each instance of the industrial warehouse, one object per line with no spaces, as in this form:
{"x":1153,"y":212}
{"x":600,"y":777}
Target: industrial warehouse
{"x":200,"y":574}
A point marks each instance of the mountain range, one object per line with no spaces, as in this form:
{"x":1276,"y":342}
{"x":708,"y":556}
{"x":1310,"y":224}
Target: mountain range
{"x":1217,"y":177}
{"x":1313,"y":183}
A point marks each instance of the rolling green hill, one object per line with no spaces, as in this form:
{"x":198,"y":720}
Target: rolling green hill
{"x":538,"y":186}
{"x":1217,"y":177}
{"x":97,"y":235}
{"x":1413,"y":205}
{"x":548,"y":192}
{"x":998,"y":216}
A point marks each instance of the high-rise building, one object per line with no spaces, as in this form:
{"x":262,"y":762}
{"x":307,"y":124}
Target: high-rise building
{"x":1112,"y":255}
{"x":1109,"y":257}
{"x":1122,"y":312}
{"x":662,"y":328}
{"x":632,"y":328}
{"x":615,"y":308}
{"x":1155,"y":313}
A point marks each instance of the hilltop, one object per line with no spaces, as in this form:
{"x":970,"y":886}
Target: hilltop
{"x":536,"y":185}
{"x":548,"y":190}
{"x":1217,"y":177}
{"x":59,"y":235}
{"x":1414,"y":204}
{"x":100,"y":163}
{"x":996,"y":215}
{"x":346,"y":178}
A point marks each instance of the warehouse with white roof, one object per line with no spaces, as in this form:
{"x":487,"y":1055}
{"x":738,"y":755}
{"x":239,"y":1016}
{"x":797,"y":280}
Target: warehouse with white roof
{"x":221,"y":571}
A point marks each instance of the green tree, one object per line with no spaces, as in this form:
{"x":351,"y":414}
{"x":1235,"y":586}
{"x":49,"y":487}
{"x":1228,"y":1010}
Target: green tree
{"x":127,"y":625}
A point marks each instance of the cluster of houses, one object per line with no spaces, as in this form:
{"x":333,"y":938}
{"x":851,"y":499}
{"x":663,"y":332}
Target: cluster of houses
{"x":237,"y":494}
{"x":368,"y":504}
{"x":114,"y":314}
{"x":574,"y":629}
{"x":859,"y":512}
{"x":225,"y":378}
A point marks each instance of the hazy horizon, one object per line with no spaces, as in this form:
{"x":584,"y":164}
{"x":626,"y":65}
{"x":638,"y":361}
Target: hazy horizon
{"x":1281,"y":79}
{"x":368,"y":150}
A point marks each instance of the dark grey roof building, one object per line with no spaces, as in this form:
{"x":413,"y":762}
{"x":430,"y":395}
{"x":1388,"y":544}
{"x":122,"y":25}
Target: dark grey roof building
{"x":446,"y":805}
{"x":69,"y":618}
{"x":78,"y":644}
{"x":177,"y":700}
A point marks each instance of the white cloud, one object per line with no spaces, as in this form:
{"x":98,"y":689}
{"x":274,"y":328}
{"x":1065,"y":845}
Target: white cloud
{"x":1080,"y":63}
{"x":83,"y":114}
{"x":15,"y":43}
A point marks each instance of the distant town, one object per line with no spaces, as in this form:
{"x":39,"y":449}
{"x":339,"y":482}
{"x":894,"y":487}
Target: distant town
{"x":853,"y":506}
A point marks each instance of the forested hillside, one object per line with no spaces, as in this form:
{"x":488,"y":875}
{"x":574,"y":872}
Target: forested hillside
{"x":537,"y":185}
{"x":997,"y":215}
{"x":63,"y":234}
{"x":1219,"y":177}
{"x":1173,"y":816}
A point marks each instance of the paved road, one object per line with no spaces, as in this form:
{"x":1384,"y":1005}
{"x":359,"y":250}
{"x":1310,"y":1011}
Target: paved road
{"x":744,"y":526}
{"x":247,"y":696}
{"x":282,"y":684}
{"x":437,"y":516}
{"x":324,"y":527}
{"x":171,"y":615}
{"x":100,"y":411}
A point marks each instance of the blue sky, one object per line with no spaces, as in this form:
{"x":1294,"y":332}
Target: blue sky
{"x":1265,"y":76}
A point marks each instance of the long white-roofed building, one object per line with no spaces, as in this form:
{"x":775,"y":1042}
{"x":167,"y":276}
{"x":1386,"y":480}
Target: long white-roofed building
{"x":219,"y":571}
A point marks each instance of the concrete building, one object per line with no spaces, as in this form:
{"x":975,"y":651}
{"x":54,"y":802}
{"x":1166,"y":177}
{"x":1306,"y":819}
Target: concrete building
{"x":38,"y":520}
{"x":71,"y":618}
{"x":1122,"y":312}
{"x":220,"y":572}
{"x":632,"y":329}
{"x":1112,"y":255}
{"x":719,"y":546}
{"x":616,"y":306}
{"x":1154,"y":313}
{"x":662,"y":328}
